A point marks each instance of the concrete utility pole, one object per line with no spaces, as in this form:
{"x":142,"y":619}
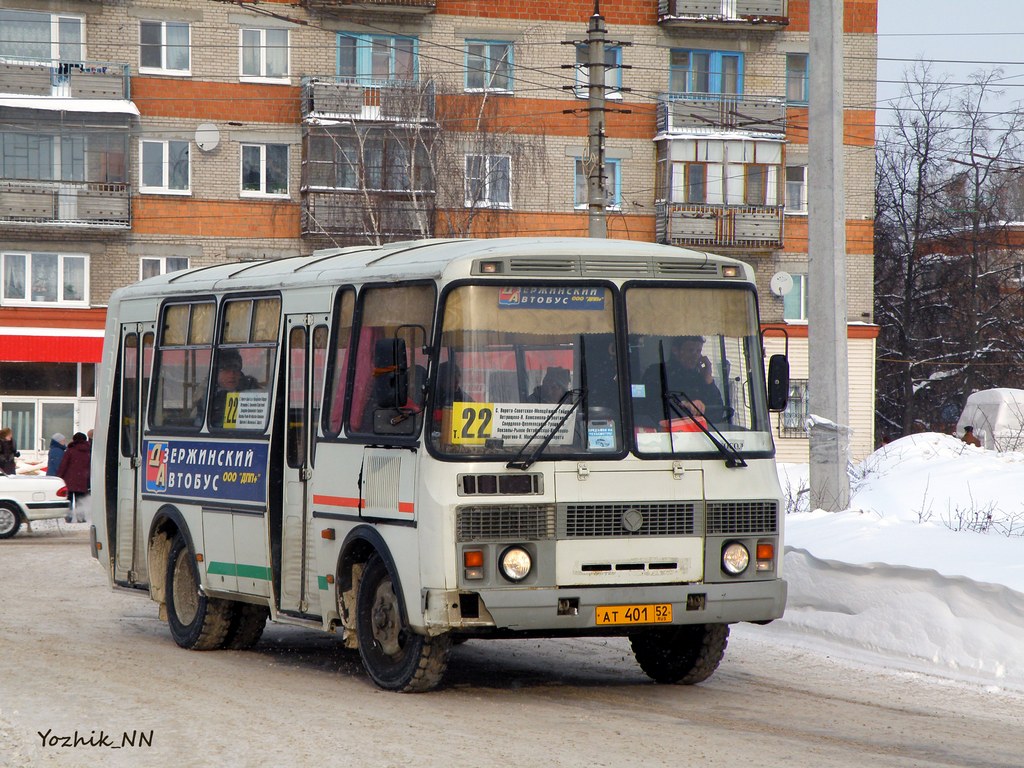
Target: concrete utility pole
{"x":828,"y":385}
{"x":593,"y":163}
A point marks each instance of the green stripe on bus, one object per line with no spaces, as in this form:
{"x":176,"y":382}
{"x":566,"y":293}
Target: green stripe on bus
{"x":321,"y":581}
{"x":215,"y":568}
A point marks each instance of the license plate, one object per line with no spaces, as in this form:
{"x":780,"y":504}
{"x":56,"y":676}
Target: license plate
{"x":654,"y":613}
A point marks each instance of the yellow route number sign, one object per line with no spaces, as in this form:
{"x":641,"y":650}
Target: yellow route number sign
{"x":471,"y":423}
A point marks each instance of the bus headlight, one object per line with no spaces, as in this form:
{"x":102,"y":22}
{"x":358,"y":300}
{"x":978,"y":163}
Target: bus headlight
{"x":515,"y":563}
{"x":735,"y":558}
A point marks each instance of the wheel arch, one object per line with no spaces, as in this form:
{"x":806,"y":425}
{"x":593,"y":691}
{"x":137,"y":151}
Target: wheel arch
{"x":167,"y":523}
{"x":361,"y":543}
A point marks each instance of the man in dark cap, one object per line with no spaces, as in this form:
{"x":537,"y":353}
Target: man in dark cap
{"x":688,"y":373}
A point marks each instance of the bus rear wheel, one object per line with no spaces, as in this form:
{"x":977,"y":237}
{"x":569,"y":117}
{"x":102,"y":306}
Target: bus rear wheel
{"x":197,"y":622}
{"x":686,"y":654}
{"x":395,"y":657}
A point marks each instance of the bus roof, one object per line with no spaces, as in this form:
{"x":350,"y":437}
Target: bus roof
{"x":519,"y":257}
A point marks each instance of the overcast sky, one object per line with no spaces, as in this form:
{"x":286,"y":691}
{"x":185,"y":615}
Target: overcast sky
{"x":985,"y":33}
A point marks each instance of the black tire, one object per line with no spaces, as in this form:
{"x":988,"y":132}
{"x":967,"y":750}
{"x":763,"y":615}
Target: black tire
{"x":687,"y":654}
{"x":10,"y":521}
{"x":247,"y":624}
{"x":395,"y":657}
{"x":197,"y":622}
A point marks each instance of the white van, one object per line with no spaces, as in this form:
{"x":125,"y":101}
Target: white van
{"x":997,"y":416}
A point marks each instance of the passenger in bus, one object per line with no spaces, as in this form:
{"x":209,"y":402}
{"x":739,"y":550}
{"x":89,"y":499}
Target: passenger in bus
{"x":552,"y":388}
{"x":230,"y":378}
{"x":449,"y":385}
{"x":689,"y":375}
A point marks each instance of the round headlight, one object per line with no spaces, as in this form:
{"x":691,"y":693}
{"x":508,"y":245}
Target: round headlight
{"x":735,"y":558}
{"x":515,"y":563}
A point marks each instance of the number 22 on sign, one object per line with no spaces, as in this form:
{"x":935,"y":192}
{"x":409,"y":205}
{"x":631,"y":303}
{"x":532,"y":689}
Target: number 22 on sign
{"x":471,"y":423}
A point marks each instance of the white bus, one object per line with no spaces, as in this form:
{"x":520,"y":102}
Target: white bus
{"x":425,"y":442}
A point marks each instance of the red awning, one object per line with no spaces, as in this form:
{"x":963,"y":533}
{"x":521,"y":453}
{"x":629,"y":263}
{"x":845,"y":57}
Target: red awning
{"x":50,"y":349}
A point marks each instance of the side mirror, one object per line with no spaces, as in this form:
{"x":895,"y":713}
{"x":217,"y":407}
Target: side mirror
{"x":778,"y":382}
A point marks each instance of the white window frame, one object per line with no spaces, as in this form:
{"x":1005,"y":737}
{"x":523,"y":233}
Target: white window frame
{"x":26,"y":298}
{"x":161,"y":262}
{"x":54,"y":42}
{"x":800,"y":316}
{"x":261,"y":192}
{"x":805,"y":79}
{"x":614,"y":184}
{"x":612,"y":72}
{"x":792,"y":421}
{"x":491,"y":59}
{"x":261,"y":48}
{"x":163,"y":69}
{"x":486,"y":200}
{"x":800,"y":209}
{"x":164,"y":189}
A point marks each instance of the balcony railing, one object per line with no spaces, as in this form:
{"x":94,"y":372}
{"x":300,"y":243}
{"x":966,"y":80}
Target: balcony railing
{"x":65,"y":79}
{"x":387,"y":6}
{"x":368,"y":214}
{"x":377,"y":100}
{"x":768,"y":14}
{"x":720,"y":226}
{"x":713,"y":111}
{"x":66,"y":203}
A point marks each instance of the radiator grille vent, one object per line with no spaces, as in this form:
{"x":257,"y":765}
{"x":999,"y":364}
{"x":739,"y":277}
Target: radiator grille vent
{"x":503,"y":522}
{"x":593,"y":520}
{"x":543,"y":266}
{"x":686,"y":269}
{"x":734,"y":517}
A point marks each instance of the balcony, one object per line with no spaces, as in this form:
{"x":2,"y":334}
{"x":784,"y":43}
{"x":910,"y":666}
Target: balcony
{"x":333,"y":7}
{"x":690,"y":14}
{"x":345,"y":98}
{"x":368,"y":215}
{"x":63,"y":79}
{"x":66,"y":203}
{"x":719,"y":226}
{"x":713,"y":112}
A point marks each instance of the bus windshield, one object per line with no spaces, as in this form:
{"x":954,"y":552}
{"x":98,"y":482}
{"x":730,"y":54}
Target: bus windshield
{"x":521,"y":365}
{"x":695,"y":367}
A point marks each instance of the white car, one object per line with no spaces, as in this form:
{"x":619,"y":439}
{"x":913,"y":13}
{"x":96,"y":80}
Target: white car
{"x":25,"y":498}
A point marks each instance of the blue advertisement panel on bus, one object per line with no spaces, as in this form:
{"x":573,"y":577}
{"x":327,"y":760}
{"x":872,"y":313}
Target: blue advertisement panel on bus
{"x":213,"y":471}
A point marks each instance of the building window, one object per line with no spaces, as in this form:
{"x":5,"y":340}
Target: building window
{"x":33,"y":36}
{"x":756,"y":188}
{"x":45,"y":278}
{"x":376,"y":58}
{"x":797,"y":83}
{"x":796,"y":189}
{"x":488,"y":66}
{"x":705,"y":72}
{"x":165,"y":167}
{"x":264,"y":54}
{"x":612,"y":72}
{"x":164,"y":47}
{"x":488,"y":181}
{"x":611,"y":181}
{"x":369,"y":161}
{"x":151,"y":266}
{"x":793,"y":421}
{"x":265,"y":169}
{"x":794,"y":303}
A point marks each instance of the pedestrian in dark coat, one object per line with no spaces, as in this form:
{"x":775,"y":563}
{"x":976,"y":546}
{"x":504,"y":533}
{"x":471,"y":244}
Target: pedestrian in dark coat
{"x":58,"y":444}
{"x":74,"y":470}
{"x":8,"y":451}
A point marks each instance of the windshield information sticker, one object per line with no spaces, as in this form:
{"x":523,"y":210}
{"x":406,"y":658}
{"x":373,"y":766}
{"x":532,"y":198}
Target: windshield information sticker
{"x":554,"y":297}
{"x":476,"y":423}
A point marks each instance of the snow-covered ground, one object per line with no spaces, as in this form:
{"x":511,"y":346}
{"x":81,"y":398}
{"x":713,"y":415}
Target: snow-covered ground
{"x":926,"y":568}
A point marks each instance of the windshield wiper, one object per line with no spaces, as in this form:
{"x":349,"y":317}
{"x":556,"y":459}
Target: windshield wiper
{"x":728,"y":450}
{"x":577,"y":396}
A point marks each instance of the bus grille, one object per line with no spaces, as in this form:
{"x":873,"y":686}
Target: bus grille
{"x":502,"y":522}
{"x":664,"y":519}
{"x":732,"y":517}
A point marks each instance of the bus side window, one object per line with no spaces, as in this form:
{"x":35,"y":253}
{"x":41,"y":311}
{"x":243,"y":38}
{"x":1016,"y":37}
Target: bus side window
{"x":337,"y":366}
{"x":182,"y":365}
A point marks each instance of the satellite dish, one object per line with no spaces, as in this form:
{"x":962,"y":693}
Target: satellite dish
{"x":781,"y":283}
{"x":207,"y":137}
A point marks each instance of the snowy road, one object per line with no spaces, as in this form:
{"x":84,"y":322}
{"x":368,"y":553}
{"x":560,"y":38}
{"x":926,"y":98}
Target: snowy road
{"x":77,"y":656}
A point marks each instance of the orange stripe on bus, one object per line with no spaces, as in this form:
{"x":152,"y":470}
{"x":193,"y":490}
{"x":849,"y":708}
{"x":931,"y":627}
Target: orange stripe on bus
{"x":338,"y":501}
{"x":406,"y":507}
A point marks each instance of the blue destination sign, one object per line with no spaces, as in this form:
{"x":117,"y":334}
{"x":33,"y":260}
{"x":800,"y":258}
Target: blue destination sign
{"x":212,"y":471}
{"x":550,"y":297}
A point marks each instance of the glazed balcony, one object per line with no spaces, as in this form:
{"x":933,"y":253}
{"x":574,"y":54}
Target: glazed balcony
{"x":66,"y":203}
{"x":368,"y":215}
{"x":719,"y":226}
{"x":63,"y":79}
{"x":330,"y":7}
{"x":717,"y":112}
{"x":334,"y":98}
{"x":731,"y":14}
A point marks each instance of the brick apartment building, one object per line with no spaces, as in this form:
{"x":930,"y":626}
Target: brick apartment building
{"x":144,"y":136}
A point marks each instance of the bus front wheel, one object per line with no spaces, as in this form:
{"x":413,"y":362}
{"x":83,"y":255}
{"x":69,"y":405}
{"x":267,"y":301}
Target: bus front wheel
{"x":395,"y":657}
{"x":686,"y":654}
{"x":197,"y":622}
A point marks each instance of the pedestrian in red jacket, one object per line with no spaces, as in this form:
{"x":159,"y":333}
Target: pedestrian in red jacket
{"x":74,"y":470}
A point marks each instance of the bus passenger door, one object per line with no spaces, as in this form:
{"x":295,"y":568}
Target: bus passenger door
{"x":305,"y":355}
{"x":136,"y":365}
